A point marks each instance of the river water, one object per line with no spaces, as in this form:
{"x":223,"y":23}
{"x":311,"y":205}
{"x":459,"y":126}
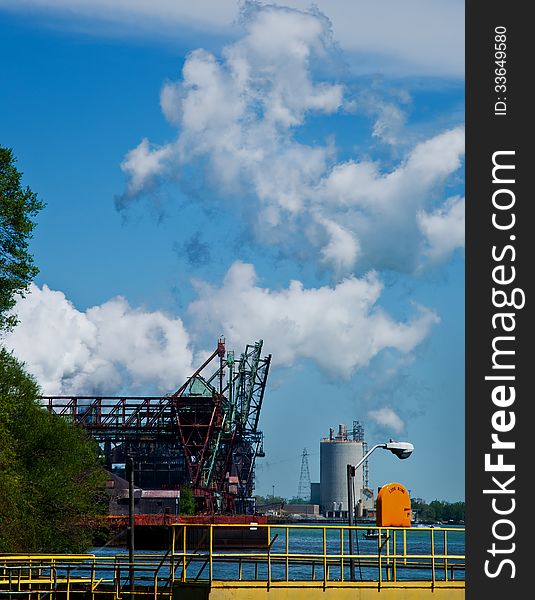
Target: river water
{"x":308,"y":544}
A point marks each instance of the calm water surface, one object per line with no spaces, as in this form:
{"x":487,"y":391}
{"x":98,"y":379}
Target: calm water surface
{"x":309,"y":542}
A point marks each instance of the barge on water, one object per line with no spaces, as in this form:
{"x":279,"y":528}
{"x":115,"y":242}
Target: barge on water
{"x":152,"y":532}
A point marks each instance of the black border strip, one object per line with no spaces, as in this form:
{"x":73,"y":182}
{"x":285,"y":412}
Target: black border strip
{"x":495,"y":566}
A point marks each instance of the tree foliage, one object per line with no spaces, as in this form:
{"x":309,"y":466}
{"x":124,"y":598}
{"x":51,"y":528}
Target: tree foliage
{"x":298,"y":500}
{"x":50,"y":476}
{"x":438,"y":510}
{"x":270,"y":501}
{"x":18,"y":206}
{"x":187,"y":501}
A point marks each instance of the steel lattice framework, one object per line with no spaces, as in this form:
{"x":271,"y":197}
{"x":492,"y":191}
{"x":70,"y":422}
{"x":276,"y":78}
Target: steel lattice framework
{"x":205,"y":434}
{"x":303,"y":490}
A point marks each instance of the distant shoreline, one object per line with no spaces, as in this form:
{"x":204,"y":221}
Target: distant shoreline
{"x":359,"y":522}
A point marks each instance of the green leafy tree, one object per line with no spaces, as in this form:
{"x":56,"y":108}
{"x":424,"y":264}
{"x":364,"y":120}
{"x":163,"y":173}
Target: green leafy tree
{"x":18,"y":206}
{"x":187,"y":501}
{"x":66,"y":477}
{"x":51,"y":479}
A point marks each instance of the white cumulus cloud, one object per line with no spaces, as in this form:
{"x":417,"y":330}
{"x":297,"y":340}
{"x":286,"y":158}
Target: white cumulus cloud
{"x":387,"y":418}
{"x":104,"y":350}
{"x":383,"y":209}
{"x":238,"y":117}
{"x":443,"y":229}
{"x":143,"y":164}
{"x":113,"y":347}
{"x":342,"y":249}
{"x":340,"y":328}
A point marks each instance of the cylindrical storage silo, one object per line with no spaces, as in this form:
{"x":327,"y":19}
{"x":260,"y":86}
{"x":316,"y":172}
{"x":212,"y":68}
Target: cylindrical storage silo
{"x":336,"y":452}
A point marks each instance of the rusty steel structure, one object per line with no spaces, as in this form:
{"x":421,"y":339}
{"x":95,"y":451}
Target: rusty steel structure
{"x":204,"y":435}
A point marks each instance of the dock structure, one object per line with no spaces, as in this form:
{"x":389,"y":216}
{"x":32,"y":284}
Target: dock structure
{"x":205,"y":435}
{"x":296,"y":561}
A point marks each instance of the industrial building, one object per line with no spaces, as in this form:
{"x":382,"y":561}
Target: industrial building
{"x":205,"y":435}
{"x":336,"y":452}
{"x":146,"y":502}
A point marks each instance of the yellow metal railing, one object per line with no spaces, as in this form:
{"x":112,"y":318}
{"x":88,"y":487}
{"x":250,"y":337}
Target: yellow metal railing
{"x":268,"y":556}
{"x":401,"y":556}
{"x":73,"y":576}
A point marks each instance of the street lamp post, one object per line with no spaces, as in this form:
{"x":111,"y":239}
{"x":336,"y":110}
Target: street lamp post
{"x":131,"y":520}
{"x":402,"y":450}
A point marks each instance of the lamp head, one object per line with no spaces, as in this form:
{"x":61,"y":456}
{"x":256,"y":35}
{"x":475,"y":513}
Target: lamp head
{"x":401,"y":449}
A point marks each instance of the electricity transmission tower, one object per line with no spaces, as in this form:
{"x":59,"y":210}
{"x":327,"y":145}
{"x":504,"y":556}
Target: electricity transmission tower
{"x":303,"y":490}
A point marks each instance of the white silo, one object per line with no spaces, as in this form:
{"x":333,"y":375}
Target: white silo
{"x":336,"y":452}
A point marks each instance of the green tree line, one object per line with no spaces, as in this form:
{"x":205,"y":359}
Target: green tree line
{"x":270,"y":501}
{"x":438,"y":510}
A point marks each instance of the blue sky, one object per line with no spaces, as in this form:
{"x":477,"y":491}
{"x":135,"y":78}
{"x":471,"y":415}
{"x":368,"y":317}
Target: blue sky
{"x":194,"y":165}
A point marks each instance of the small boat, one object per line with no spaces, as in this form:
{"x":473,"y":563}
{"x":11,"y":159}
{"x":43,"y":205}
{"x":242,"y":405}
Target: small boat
{"x":371,"y":534}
